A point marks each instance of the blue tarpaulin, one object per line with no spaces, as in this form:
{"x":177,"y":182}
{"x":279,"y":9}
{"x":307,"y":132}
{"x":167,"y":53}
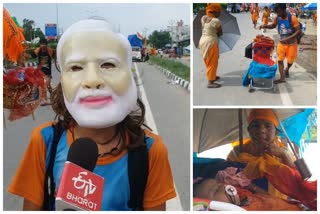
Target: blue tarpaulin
{"x":135,"y":41}
{"x":310,"y":6}
{"x":257,"y":70}
{"x":296,"y":125}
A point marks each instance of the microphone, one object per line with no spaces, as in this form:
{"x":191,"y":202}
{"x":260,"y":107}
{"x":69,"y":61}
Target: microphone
{"x":79,"y":188}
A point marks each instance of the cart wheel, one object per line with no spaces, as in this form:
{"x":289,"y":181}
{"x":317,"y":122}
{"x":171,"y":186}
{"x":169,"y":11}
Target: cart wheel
{"x":250,"y":89}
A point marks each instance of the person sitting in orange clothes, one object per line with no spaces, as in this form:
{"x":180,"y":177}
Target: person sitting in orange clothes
{"x":214,"y":190}
{"x":263,"y":140}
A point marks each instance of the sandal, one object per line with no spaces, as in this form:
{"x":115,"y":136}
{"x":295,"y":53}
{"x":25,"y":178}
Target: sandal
{"x":279,"y":81}
{"x":213,"y":85}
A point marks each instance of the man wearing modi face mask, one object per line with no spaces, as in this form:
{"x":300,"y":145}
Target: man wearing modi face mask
{"x":97,"y":98}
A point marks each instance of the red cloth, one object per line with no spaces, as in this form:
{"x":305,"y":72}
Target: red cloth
{"x":285,"y":179}
{"x":263,"y":60}
{"x":288,"y":181}
{"x":23,"y":89}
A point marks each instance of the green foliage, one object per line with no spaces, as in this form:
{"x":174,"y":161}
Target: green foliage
{"x":202,"y":6}
{"x":38,"y":33}
{"x":184,"y":43}
{"x":224,"y":5}
{"x":33,"y":46}
{"x":53,"y":45}
{"x":159,"y":39}
{"x":28,"y":29}
{"x":29,"y":51}
{"x":199,"y":6}
{"x":313,"y":134}
{"x":177,"y":68}
{"x":30,"y":32}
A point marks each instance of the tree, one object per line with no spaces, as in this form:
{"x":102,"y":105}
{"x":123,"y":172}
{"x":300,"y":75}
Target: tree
{"x":159,"y":39}
{"x":28,"y":29}
{"x":202,"y":6}
{"x":38,"y":33}
{"x":199,"y":6}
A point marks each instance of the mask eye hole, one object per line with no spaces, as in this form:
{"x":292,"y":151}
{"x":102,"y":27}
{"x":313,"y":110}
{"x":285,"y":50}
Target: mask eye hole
{"x":107,"y":65}
{"x":76,"y":68}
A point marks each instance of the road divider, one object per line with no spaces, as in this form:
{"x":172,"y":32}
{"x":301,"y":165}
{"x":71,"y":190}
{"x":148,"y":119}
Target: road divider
{"x":30,"y":64}
{"x":174,"y":78}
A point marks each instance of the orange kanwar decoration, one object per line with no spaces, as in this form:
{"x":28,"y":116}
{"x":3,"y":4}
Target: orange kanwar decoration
{"x":23,"y":88}
{"x":12,"y":38}
{"x":263,"y":47}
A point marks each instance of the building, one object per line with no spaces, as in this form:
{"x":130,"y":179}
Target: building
{"x":178,"y":31}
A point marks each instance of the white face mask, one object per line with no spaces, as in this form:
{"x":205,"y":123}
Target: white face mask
{"x":97,"y":83}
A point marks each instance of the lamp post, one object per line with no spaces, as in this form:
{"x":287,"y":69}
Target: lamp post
{"x":145,"y":30}
{"x":173,"y":30}
{"x":57,"y":11}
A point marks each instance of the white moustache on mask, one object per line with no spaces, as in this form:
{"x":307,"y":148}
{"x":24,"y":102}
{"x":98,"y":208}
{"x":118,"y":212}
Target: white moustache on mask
{"x":110,"y":111}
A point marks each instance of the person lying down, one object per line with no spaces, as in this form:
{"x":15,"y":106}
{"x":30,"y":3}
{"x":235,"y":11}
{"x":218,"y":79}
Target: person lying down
{"x":249,"y":197}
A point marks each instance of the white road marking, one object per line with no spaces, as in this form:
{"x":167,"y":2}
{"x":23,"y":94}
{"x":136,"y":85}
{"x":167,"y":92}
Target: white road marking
{"x":175,"y":203}
{"x":149,"y":116}
{"x":285,"y":97}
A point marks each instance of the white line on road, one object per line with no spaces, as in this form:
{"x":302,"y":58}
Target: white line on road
{"x":285,"y":97}
{"x":175,"y":203}
{"x":149,"y":116}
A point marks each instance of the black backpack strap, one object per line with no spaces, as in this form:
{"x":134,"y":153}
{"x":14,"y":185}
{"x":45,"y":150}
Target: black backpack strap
{"x":138,"y":170}
{"x":49,"y":184}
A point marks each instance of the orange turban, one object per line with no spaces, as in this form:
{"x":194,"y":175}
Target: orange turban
{"x":263,"y":114}
{"x":212,"y":7}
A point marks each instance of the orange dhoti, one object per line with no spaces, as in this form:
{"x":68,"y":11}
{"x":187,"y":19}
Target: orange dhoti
{"x":254,"y":17}
{"x":265,"y":21}
{"x":287,"y":51}
{"x":211,"y":62}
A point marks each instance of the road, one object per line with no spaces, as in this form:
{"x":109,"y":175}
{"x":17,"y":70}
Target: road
{"x":15,"y":141}
{"x":233,"y":65}
{"x":171,"y":116}
{"x":170,"y":109}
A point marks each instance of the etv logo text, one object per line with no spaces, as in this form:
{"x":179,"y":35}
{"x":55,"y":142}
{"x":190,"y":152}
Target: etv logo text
{"x":81,"y":183}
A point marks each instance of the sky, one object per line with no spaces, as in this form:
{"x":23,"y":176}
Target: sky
{"x":128,"y":18}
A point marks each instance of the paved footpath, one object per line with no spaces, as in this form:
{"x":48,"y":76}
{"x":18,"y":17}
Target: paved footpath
{"x":300,"y":89}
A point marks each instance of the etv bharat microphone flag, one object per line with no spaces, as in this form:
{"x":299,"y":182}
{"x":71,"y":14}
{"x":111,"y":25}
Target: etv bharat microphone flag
{"x":79,"y":189}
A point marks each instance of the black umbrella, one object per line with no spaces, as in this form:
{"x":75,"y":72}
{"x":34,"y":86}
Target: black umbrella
{"x":216,"y":127}
{"x":230,"y":29}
